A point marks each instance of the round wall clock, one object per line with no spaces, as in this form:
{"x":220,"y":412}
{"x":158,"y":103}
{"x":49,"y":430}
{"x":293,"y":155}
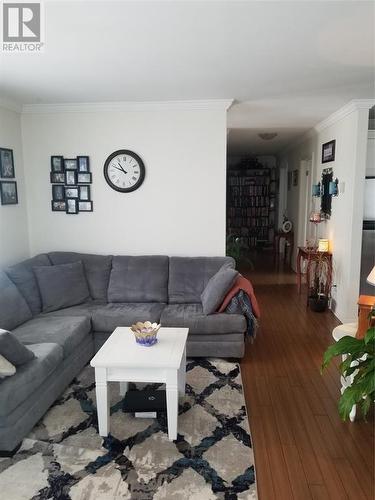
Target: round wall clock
{"x":124,"y":171}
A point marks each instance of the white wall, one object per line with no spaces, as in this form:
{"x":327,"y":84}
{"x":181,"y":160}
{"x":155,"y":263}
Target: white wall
{"x":14,"y":240}
{"x":179,"y":209}
{"x":344,"y":229}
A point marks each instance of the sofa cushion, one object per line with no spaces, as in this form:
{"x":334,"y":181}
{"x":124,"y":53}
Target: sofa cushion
{"x":216,"y":289}
{"x":66,"y":331}
{"x":188,"y":276}
{"x":97,"y":270}
{"x":6,"y":368}
{"x":23,"y":277}
{"x":13,"y":308}
{"x":139,"y":279}
{"x":107,"y":318}
{"x":191,"y":316}
{"x":13,"y":350}
{"x":62,"y":286}
{"x":15,"y":389}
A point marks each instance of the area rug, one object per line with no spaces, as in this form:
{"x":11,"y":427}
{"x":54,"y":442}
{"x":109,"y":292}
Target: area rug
{"x":64,"y":458}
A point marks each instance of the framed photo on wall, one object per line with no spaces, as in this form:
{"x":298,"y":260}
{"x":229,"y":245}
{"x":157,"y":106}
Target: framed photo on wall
{"x":84,"y":193}
{"x":58,"y":192}
{"x":72,"y":192}
{"x":85,"y":206}
{"x":70,"y":163}
{"x":57,"y":178}
{"x":70,"y":177}
{"x":6,"y":163}
{"x":84,"y":178}
{"x":58,"y":206}
{"x":8,"y":193}
{"x":328,"y":151}
{"x":83,"y":164}
{"x":57,"y":164}
{"x":71,"y":206}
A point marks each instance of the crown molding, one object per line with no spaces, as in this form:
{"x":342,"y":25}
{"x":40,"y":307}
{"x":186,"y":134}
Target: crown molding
{"x":93,"y":107}
{"x":354,"y":105}
{"x":10,"y":105}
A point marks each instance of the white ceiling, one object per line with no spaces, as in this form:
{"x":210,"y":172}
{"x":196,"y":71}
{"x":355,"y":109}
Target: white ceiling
{"x":287,"y":64}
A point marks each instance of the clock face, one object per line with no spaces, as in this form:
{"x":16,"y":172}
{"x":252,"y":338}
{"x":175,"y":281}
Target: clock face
{"x":124,"y":171}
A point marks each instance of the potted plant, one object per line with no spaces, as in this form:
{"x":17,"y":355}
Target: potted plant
{"x":237,"y":250}
{"x":359,"y":363}
{"x":319,"y":275}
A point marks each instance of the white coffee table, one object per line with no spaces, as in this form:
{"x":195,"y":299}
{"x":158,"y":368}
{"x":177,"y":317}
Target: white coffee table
{"x":122,"y":360}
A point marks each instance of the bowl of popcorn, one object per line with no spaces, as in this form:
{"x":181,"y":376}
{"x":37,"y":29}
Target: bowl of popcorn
{"x":145,"y":333}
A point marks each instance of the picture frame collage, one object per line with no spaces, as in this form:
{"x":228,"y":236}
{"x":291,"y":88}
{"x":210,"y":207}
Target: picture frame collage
{"x":8,"y":188}
{"x":71,"y":179}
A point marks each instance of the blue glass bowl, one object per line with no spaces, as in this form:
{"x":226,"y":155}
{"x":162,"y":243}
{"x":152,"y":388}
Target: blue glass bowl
{"x":147,"y":341}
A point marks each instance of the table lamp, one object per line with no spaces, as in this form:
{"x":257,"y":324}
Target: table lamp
{"x":371,"y":277}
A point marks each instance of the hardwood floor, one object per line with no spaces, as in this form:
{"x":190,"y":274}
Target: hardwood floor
{"x":302,"y":448}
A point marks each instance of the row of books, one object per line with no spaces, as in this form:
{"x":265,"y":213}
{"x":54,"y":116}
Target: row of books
{"x":248,"y":181}
{"x":249,"y":190}
{"x":246,"y":212}
{"x":248,"y":222}
{"x":253,"y":201}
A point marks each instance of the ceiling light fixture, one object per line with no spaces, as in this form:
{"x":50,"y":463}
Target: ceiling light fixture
{"x":267,"y":136}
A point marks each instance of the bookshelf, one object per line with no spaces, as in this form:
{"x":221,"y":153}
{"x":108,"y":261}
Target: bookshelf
{"x":251,"y":202}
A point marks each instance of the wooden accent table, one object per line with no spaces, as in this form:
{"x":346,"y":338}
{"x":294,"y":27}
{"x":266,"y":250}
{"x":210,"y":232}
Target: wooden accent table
{"x":308,"y":254}
{"x":289,"y":238}
{"x":366,"y":303}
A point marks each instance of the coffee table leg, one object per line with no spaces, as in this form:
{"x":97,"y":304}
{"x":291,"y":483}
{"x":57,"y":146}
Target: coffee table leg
{"x":182,"y":375}
{"x":172,"y":404}
{"x":123,"y":388}
{"x":102,"y":401}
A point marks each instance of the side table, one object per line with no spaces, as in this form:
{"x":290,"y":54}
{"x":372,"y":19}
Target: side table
{"x":289,"y":239}
{"x":308,"y":254}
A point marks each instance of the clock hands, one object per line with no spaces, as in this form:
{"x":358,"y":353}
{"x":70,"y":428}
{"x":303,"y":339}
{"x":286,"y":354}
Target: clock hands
{"x":121,"y":168}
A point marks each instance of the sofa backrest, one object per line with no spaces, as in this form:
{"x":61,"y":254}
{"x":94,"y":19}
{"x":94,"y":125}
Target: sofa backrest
{"x":188,"y":276}
{"x":139,"y":279}
{"x":13,"y":307}
{"x":23,"y":277}
{"x":97,"y":270}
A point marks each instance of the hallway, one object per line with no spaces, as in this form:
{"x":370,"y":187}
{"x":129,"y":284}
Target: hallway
{"x":302,"y":448}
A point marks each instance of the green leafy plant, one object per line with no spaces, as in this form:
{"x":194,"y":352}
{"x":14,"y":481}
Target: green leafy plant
{"x":360,"y":363}
{"x":237,"y":250}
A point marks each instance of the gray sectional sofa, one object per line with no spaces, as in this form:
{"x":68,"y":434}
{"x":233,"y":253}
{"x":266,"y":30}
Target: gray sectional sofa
{"x":121,"y":291}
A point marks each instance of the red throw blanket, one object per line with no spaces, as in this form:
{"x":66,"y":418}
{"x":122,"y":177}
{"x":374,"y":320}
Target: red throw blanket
{"x":242,"y":283}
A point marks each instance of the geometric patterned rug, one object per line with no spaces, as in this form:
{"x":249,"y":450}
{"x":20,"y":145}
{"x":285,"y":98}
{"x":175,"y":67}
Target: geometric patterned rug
{"x":64,"y":458}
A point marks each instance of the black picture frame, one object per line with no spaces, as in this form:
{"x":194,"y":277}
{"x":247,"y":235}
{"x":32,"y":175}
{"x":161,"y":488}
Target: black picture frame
{"x":57,"y":164}
{"x":72,"y":206}
{"x":83,"y":163}
{"x":328,"y":151}
{"x":295,"y":177}
{"x":8,"y":193}
{"x":84,"y":178}
{"x":82,"y":206}
{"x":83,"y":189}
{"x":70,"y":164}
{"x":7,"y":163}
{"x":70,"y":177}
{"x":68,"y":192}
{"x":58,"y":206}
{"x":57,"y":178}
{"x":58,"y":192}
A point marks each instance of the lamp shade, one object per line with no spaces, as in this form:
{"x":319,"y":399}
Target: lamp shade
{"x":323,"y":245}
{"x":371,"y":277}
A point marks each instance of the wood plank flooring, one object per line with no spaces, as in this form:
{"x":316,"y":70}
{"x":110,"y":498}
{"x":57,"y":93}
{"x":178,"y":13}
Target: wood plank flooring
{"x":302,"y":448}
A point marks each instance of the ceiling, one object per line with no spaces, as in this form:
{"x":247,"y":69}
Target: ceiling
{"x":288,"y":65}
